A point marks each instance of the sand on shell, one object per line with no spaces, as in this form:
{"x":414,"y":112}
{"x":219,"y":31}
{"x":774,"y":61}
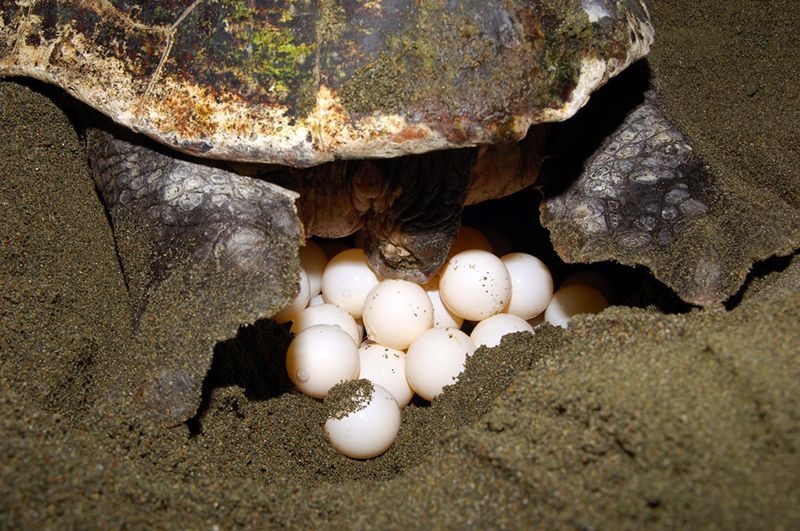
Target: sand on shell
{"x":631,"y":418}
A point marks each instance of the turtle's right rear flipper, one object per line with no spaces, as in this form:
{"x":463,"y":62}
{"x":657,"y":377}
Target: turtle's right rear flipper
{"x":641,"y":195}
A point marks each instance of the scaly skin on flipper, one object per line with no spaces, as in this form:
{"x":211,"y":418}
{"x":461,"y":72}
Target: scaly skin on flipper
{"x":634,"y":194}
{"x":202,"y":249}
{"x":644,"y":196}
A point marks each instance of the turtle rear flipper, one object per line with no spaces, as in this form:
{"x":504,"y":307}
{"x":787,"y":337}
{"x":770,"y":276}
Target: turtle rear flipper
{"x":644,"y":196}
{"x":203,"y":251}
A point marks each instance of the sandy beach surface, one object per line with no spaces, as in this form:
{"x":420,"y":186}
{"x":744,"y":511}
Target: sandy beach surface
{"x":634,"y":417}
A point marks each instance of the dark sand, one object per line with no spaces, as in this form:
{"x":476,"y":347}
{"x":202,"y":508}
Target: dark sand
{"x":631,"y":418}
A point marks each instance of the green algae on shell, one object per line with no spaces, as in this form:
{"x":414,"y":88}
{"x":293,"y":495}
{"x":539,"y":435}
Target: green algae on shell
{"x":301,"y":82}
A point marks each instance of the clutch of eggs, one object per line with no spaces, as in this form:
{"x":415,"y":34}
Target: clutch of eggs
{"x":414,"y":343}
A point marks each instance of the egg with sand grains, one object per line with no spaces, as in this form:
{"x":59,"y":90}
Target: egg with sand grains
{"x":490,"y":332}
{"x":321,"y":356}
{"x":436,"y":359}
{"x":347,"y":279}
{"x":396,"y":312}
{"x":386,"y":367}
{"x":475,"y":285}
{"x":364,"y":420}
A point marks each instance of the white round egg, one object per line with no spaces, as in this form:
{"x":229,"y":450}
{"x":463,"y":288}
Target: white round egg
{"x":300,"y":301}
{"x":475,"y":285}
{"x":313,"y":261}
{"x":396,"y":312}
{"x":370,"y":429}
{"x":573,"y":300}
{"x":531,"y":285}
{"x":316,"y":300}
{"x":329,"y":314}
{"x":592,"y":279}
{"x":490,"y":332}
{"x":347,"y":280}
{"x":386,"y":367}
{"x":436,"y":359}
{"x":469,"y":238}
{"x":442,"y":316}
{"x":321,"y":356}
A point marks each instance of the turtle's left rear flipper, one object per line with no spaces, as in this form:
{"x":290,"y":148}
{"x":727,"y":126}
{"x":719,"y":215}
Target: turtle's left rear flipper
{"x":203,"y":251}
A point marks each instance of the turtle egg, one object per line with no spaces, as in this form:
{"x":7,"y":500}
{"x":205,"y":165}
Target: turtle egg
{"x":436,"y":359}
{"x":572,"y":300}
{"x":316,"y":300}
{"x":313,"y":260}
{"x":475,"y":285}
{"x":386,"y":367}
{"x":442,"y":317}
{"x":531,"y":285}
{"x":469,"y":238}
{"x":368,"y":424}
{"x":490,"y":332}
{"x":592,"y":279}
{"x":300,"y":301}
{"x":329,"y":314}
{"x":347,"y":279}
{"x":396,"y":312}
{"x":321,"y":356}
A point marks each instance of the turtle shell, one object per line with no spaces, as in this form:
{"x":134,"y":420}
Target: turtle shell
{"x":300,"y":82}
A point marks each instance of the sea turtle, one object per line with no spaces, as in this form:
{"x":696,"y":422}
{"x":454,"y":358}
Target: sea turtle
{"x":303,"y":83}
{"x":386,"y":114}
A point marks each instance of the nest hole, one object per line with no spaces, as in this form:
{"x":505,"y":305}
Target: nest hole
{"x":248,"y":398}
